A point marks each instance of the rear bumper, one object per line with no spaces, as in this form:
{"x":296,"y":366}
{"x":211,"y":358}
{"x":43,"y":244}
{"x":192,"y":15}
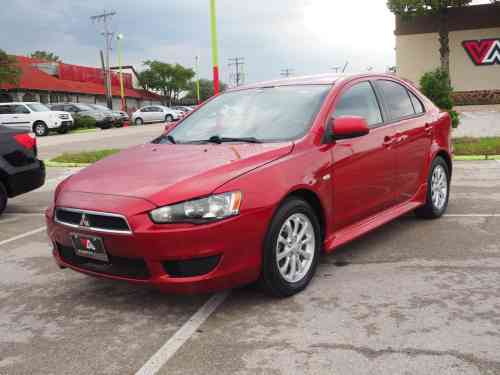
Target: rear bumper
{"x":26,"y":181}
{"x":223,"y":255}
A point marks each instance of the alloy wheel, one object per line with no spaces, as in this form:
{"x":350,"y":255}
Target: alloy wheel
{"x":439,"y":187}
{"x":295,"y":248}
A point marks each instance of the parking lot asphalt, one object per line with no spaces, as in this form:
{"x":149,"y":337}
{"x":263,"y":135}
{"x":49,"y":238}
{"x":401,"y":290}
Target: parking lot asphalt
{"x":413,"y":297}
{"x":54,"y":145}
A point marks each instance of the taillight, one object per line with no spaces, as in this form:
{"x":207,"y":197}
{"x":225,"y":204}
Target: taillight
{"x":26,"y":140}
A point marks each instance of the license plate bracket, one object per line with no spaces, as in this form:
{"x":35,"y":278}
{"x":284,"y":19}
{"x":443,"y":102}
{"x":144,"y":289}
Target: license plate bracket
{"x":89,"y":247}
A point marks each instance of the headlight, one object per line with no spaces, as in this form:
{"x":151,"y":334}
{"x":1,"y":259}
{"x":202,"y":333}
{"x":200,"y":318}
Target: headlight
{"x":212,"y":208}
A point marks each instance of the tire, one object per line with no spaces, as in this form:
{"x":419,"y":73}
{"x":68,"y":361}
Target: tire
{"x":280,"y":283}
{"x":169,"y":118}
{"x":438,"y":183}
{"x":119,"y":124}
{"x":3,"y":198}
{"x":40,"y":129}
{"x":138,"y":121}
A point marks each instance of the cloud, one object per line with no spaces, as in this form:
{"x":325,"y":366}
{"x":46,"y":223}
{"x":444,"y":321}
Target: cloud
{"x":309,"y":36}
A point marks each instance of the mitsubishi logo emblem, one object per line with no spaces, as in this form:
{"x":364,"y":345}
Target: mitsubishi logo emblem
{"x":84,"y":222}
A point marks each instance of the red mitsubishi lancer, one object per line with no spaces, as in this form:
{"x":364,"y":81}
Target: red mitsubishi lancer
{"x":255,"y":184}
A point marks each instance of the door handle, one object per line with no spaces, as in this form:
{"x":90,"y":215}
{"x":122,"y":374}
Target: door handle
{"x":388,"y":141}
{"x":428,"y":128}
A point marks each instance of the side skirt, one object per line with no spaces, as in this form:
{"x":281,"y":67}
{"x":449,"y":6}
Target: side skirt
{"x":358,"y":229}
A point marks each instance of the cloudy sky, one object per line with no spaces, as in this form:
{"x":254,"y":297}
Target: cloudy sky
{"x":308,"y":36}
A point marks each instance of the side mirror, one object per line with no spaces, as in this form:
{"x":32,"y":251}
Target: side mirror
{"x":346,"y":127}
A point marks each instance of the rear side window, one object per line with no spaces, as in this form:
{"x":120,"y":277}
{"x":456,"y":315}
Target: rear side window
{"x":5,"y":110}
{"x":417,"y":104}
{"x":396,"y":98}
{"x":21,"y":109}
{"x":360,"y":100}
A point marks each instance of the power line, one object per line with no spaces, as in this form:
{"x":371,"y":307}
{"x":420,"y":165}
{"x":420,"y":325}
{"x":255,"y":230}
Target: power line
{"x":238,"y":76}
{"x":103,"y":18}
{"x":286,"y":72}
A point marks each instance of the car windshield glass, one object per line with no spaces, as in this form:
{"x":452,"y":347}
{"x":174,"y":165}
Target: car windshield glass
{"x":264,"y":114}
{"x":38,"y":107}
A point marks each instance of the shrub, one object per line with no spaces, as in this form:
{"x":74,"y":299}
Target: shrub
{"x":436,"y":86}
{"x":85,"y":122}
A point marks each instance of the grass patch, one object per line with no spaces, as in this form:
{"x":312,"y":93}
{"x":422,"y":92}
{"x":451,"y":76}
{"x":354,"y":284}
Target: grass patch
{"x":83,"y":130}
{"x":87,"y":157}
{"x":476,"y":146}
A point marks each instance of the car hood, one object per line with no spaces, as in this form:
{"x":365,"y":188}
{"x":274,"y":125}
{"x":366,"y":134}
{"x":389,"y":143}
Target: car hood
{"x":165,"y":174}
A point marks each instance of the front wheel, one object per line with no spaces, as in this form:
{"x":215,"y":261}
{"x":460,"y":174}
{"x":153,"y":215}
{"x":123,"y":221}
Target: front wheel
{"x":40,"y":129}
{"x":438,"y":191}
{"x":291,"y":249}
{"x":169,"y":118}
{"x":138,"y":121}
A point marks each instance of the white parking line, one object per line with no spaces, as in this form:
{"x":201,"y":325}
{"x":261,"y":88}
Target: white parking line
{"x":52,"y":183}
{"x":471,"y":215}
{"x":161,"y":357}
{"x":30,"y":233}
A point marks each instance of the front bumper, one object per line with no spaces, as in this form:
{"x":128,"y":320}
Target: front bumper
{"x":228,"y":252}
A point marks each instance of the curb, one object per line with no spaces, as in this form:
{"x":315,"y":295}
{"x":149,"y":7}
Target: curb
{"x":55,"y":164}
{"x":476,"y":157}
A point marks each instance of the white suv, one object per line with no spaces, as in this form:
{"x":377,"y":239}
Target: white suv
{"x":34,"y":117}
{"x":155,"y":113}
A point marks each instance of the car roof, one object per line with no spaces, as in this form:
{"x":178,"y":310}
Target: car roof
{"x":11,"y":103}
{"x":319,"y":79}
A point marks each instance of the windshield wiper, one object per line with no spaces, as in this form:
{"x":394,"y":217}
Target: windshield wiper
{"x":219,"y":140}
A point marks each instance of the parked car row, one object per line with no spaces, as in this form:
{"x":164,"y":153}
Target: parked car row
{"x":20,"y":170}
{"x":103,"y":116}
{"x":156,"y":113}
{"x":36,"y":117}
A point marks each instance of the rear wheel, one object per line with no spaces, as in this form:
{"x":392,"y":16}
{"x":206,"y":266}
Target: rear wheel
{"x":291,"y":249}
{"x":438,"y":191}
{"x":40,"y":129}
{"x":169,"y":118}
{"x":138,"y":121}
{"x":3,"y":198}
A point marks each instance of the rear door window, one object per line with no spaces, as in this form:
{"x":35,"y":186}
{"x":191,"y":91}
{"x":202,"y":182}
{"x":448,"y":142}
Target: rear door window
{"x":396,"y":98}
{"x":417,"y":104}
{"x":5,"y":110}
{"x":360,"y":100}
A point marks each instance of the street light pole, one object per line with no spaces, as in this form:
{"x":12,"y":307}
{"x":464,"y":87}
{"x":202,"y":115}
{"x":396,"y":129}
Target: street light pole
{"x":215,"y":51}
{"x":119,"y":38}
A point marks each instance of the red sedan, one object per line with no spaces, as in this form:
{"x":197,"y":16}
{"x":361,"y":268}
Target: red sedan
{"x":255,"y":184}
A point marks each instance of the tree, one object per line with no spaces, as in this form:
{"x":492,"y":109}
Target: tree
{"x":169,"y":79}
{"x":410,"y":8}
{"x":47,"y":56}
{"x":206,"y":90}
{"x":9,"y":70}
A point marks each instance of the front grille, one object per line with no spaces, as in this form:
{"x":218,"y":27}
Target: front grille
{"x":117,"y":266}
{"x":94,"y":221}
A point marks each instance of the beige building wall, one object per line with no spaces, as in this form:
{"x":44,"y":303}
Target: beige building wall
{"x":419,"y":53}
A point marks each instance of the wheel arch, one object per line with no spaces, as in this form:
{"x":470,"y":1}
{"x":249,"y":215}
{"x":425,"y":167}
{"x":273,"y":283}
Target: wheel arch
{"x":447,"y":158}
{"x":314,"y":201}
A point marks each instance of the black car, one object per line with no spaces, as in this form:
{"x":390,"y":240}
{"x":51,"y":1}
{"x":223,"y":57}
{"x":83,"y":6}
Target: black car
{"x":20,"y":169}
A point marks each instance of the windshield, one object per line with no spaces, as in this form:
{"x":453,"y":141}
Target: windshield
{"x":264,"y":114}
{"x":38,"y":107}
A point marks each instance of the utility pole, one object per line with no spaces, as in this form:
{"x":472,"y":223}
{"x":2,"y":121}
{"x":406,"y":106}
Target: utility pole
{"x":103,"y":18}
{"x":238,"y":77}
{"x":286,"y":72}
{"x":197,"y":77}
